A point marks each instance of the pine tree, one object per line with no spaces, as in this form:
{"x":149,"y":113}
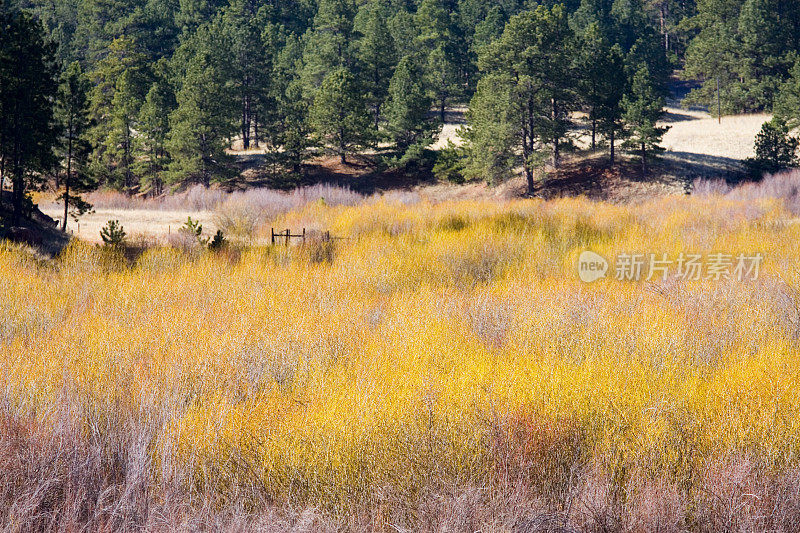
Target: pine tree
{"x":289,"y":127}
{"x":404,"y":33}
{"x":522,"y":104}
{"x":498,"y":135}
{"x":153,"y":128}
{"x":192,"y":14}
{"x":203,"y":124}
{"x":102,"y":21}
{"x":441,"y":77}
{"x":60,"y":20}
{"x":375,"y":53}
{"x":127,"y":100}
{"x":488,"y":29}
{"x":338,"y":114}
{"x":670,"y":16}
{"x":775,"y":149}
{"x":250,"y":63}
{"x":330,"y":45}
{"x":602,"y":84}
{"x":74,"y":149}
{"x":745,"y":46}
{"x":120,"y":82}
{"x":150,"y":24}
{"x":770,"y":39}
{"x":408,"y":124}
{"x":553,"y":50}
{"x":437,"y":41}
{"x":28,"y":88}
{"x":787,"y":103}
{"x":433,"y":23}
{"x":643,"y":107}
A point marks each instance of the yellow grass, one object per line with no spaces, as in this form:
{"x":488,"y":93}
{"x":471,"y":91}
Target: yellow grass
{"x":440,"y":345}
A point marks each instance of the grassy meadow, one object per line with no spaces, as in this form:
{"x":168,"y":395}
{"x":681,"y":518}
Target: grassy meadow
{"x":443,"y":368}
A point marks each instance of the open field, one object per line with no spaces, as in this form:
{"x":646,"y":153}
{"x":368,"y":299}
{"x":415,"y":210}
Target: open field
{"x":139,"y":222}
{"x":697,"y":146}
{"x":691,"y":132}
{"x":239,"y":214}
{"x":443,"y":369}
{"x":697,"y":132}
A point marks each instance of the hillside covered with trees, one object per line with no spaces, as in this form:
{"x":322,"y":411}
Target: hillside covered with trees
{"x":146,"y":96}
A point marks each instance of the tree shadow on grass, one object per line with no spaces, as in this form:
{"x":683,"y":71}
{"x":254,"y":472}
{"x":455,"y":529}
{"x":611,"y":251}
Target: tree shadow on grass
{"x":362,"y":173}
{"x":692,"y":166}
{"x":671,"y":117}
{"x":672,"y":173}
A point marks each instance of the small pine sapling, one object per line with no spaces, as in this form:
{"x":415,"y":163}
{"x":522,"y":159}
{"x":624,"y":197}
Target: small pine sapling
{"x":113,"y":234}
{"x":218,"y":242}
{"x":194,"y":229}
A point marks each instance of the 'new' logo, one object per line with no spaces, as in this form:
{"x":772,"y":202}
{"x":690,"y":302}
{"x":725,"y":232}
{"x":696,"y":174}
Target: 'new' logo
{"x":591,"y":266}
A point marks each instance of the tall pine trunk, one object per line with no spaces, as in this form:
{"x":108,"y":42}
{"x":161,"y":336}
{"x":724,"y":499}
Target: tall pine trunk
{"x":16,"y":198}
{"x":376,"y":81}
{"x":255,"y":129}
{"x":66,"y":182}
{"x":342,"y":153}
{"x":611,"y":138}
{"x":246,"y":122}
{"x":644,"y":159}
{"x":529,"y":178}
{"x":17,"y":184}
{"x":527,"y":151}
{"x":556,"y":149}
{"x":204,"y":167}
{"x":127,"y":159}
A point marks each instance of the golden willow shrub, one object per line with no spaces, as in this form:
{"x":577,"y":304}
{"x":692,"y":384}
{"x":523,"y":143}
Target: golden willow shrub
{"x":441,"y":345}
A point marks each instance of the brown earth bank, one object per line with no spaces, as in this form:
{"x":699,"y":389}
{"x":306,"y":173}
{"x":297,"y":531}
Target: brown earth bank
{"x":37,"y":231}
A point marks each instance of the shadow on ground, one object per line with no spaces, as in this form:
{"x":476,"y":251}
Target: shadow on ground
{"x":672,"y":173}
{"x":691,"y":166}
{"x":36,"y":230}
{"x":671,"y":117}
{"x":361,"y":173}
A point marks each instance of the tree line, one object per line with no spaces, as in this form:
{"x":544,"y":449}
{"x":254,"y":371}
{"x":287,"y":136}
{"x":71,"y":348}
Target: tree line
{"x":146,"y":95}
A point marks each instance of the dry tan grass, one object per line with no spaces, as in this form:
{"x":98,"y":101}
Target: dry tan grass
{"x":697,"y":132}
{"x":239,"y":214}
{"x":156,"y":223}
{"x":691,"y":131}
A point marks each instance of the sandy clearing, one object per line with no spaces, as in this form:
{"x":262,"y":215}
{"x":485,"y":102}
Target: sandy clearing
{"x":449,"y":132}
{"x":692,"y":132}
{"x":137,"y":222}
{"x":697,"y":132}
